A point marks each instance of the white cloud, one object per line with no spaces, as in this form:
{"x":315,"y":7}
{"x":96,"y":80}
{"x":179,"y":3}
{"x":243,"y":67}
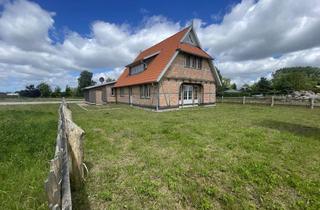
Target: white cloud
{"x":253,"y":39}
{"x":255,"y":30}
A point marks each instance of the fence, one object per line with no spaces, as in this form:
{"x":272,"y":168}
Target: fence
{"x":66,"y":168}
{"x":272,"y":101}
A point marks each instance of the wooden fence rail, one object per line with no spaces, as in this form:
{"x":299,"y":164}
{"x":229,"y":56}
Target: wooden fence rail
{"x":272,"y":101}
{"x":66,"y":168}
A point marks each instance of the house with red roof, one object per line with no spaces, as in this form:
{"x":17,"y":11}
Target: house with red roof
{"x":174,"y":73}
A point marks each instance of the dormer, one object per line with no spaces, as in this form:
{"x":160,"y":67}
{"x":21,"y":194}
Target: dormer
{"x":141,"y":65}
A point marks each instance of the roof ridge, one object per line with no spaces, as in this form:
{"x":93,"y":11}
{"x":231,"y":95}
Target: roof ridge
{"x":170,"y":37}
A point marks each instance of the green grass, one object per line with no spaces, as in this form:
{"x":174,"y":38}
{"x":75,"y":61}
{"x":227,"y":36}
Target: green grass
{"x":229,"y":156}
{"x":27,"y":142}
{"x":225,"y":157}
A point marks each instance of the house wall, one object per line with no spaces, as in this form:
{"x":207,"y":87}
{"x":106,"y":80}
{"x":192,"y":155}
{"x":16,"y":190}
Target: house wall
{"x":99,"y":95}
{"x":136,"y":99}
{"x":110,"y":98}
{"x":123,"y":98}
{"x":169,"y":93}
{"x":177,"y":74}
{"x":177,"y":70}
{"x":209,"y":93}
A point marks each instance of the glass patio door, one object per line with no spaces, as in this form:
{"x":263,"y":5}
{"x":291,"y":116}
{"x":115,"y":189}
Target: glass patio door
{"x":187,"y":94}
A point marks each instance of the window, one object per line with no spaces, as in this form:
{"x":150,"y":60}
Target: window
{"x":145,"y":91}
{"x":199,"y":63}
{"x":192,"y":61}
{"x":112,"y":92}
{"x":121,"y":91}
{"x":187,"y":64}
{"x":190,"y":38}
{"x":195,"y":97}
{"x":137,"y":69}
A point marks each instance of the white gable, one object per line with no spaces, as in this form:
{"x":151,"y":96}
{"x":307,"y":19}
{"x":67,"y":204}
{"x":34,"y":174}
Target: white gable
{"x":191,"y":38}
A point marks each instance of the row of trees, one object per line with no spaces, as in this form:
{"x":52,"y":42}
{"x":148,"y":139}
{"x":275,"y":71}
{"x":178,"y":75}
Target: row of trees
{"x":45,"y":90}
{"x":283,"y":81}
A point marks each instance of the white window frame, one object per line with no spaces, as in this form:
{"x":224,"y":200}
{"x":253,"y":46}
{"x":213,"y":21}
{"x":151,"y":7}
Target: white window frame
{"x":137,"y":68}
{"x":145,"y":91}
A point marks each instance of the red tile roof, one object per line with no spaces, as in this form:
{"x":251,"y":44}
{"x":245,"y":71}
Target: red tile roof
{"x":193,"y":50}
{"x":166,"y":49}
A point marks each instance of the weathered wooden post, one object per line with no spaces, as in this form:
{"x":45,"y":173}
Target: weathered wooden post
{"x":272,"y":101}
{"x":311,"y":102}
{"x":244,"y":100}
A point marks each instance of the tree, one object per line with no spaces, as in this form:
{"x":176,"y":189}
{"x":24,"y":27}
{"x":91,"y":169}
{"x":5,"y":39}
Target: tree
{"x":68,"y":91}
{"x":287,"y":80}
{"x":233,"y":86}
{"x":56,"y":92}
{"x":110,"y":79}
{"x":84,"y":80}
{"x":30,"y":91}
{"x":263,"y":86}
{"x":45,"y":89}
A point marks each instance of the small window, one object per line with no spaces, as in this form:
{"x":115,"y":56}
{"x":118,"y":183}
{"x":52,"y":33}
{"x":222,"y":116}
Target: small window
{"x":121,"y":91}
{"x":194,"y":62}
{"x":145,"y":91}
{"x":112,"y":91}
{"x":137,"y":69}
{"x":199,"y":64}
{"x":190,"y":38}
{"x":187,"y":64}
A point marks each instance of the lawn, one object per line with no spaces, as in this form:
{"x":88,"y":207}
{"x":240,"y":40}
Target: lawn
{"x":27,"y":142}
{"x":229,"y":157}
{"x":225,"y":157}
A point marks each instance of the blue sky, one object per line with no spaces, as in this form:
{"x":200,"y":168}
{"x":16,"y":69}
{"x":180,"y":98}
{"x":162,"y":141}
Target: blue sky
{"x":52,"y":41}
{"x":78,"y":15}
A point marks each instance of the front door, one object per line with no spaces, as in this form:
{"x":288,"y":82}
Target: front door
{"x":187,"y":94}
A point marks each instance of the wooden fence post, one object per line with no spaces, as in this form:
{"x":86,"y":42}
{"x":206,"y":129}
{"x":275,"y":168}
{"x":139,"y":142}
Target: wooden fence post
{"x":221,"y":99}
{"x":244,"y":100}
{"x":311,"y":102}
{"x":272,"y":101}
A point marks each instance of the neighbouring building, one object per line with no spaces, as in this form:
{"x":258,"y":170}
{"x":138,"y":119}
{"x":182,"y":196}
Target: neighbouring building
{"x":173,"y":73}
{"x":100,"y":94}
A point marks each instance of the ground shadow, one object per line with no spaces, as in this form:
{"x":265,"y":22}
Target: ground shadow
{"x":296,"y":129}
{"x":80,"y":199}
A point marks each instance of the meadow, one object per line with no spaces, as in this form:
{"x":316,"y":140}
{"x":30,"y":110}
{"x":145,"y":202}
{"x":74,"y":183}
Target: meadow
{"x":27,"y":143}
{"x":226,"y":157}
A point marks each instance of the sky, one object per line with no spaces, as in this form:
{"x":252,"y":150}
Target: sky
{"x":53,"y":41}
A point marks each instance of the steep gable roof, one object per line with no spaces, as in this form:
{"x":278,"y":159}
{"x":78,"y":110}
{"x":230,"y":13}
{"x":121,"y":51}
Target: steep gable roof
{"x":163,"y":52}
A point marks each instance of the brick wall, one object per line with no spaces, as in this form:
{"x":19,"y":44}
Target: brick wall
{"x":123,"y":98}
{"x":178,"y":74}
{"x":110,"y":98}
{"x":169,"y":93}
{"x":136,"y":99}
{"x":178,"y":70}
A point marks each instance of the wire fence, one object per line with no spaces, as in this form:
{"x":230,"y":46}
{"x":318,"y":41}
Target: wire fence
{"x":272,"y":101}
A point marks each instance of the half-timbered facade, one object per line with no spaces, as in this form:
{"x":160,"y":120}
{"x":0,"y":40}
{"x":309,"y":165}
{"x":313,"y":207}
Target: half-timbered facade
{"x":174,"y":73}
